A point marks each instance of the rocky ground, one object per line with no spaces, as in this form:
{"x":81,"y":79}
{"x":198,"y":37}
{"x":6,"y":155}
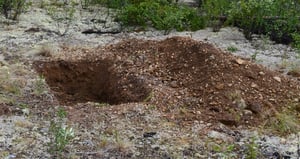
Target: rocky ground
{"x":143,"y":94}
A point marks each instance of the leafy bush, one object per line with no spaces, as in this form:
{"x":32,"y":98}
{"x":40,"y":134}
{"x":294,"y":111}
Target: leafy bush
{"x":296,"y":39}
{"x":278,"y":19}
{"x":161,"y":15}
{"x":11,"y":9}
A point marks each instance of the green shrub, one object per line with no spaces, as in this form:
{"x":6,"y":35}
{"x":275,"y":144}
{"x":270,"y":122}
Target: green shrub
{"x":296,"y":39}
{"x":273,"y":18}
{"x":277,"y":19}
{"x":161,"y":15}
{"x":11,"y":9}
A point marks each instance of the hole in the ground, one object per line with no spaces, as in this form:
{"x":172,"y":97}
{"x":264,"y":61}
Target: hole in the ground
{"x":82,"y":81}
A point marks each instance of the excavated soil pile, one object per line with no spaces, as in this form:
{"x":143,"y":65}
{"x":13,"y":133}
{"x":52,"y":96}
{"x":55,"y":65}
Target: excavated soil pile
{"x":187,"y":80}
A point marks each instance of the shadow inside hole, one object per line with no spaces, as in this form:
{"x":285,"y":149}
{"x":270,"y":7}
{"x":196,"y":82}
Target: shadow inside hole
{"x":83,"y":81}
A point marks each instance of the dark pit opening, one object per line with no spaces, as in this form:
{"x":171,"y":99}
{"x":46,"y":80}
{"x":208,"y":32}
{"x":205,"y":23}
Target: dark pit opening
{"x":83,"y":81}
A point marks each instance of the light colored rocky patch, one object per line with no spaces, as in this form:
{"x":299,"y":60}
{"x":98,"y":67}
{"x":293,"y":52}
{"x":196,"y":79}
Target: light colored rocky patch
{"x":23,"y":137}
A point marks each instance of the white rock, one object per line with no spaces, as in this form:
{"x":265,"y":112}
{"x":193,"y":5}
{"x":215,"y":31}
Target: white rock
{"x":278,"y":79}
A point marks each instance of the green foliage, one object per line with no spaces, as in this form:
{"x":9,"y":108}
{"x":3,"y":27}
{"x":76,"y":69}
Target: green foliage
{"x":225,"y":150}
{"x":252,"y":149}
{"x":278,"y":19}
{"x":254,"y":56}
{"x":39,"y":85}
{"x":61,"y":134}
{"x":161,"y":15}
{"x":11,"y":9}
{"x":216,"y":8}
{"x":232,"y":49}
{"x":284,"y":123}
{"x":296,"y":39}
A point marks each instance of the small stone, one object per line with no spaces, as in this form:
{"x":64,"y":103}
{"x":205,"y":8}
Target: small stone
{"x":247,"y":112}
{"x":198,"y":155}
{"x":26,"y":111}
{"x":220,"y":86}
{"x":278,"y":79}
{"x":212,"y":57}
{"x":253,"y":85}
{"x":261,"y":73}
{"x":118,"y":58}
{"x":240,"y":61}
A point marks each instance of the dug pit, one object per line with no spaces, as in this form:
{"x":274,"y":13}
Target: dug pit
{"x":95,"y":81}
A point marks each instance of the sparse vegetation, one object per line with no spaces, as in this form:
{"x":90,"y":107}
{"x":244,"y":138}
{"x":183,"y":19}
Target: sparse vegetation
{"x":11,"y":9}
{"x":284,"y":122}
{"x":254,"y":56}
{"x":232,"y":49}
{"x":252,"y":151}
{"x":296,"y":43}
{"x":62,"y":13}
{"x":61,"y":134}
{"x":224,"y":150}
{"x":39,"y":85}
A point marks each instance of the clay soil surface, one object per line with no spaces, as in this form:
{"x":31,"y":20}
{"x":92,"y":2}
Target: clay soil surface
{"x":185,"y":80}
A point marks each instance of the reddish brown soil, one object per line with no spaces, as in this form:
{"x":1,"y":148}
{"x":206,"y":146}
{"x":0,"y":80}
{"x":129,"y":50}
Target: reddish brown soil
{"x":186,"y":79}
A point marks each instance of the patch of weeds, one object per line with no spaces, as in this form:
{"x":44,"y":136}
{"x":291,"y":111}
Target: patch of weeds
{"x":237,"y":99}
{"x":149,"y":97}
{"x":152,"y":107}
{"x":252,"y":151}
{"x":61,"y":135}
{"x":39,"y":86}
{"x":4,"y":154}
{"x":104,"y":142}
{"x":9,"y":84}
{"x":232,"y":49}
{"x":120,"y":145}
{"x":45,"y":51}
{"x":254,"y":56}
{"x":236,"y":114}
{"x":24,"y":108}
{"x":224,"y":150}
{"x":4,"y":98}
{"x":284,"y":122}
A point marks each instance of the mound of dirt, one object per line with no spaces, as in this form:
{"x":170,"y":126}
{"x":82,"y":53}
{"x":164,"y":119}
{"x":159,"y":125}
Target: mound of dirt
{"x":186,"y":79}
